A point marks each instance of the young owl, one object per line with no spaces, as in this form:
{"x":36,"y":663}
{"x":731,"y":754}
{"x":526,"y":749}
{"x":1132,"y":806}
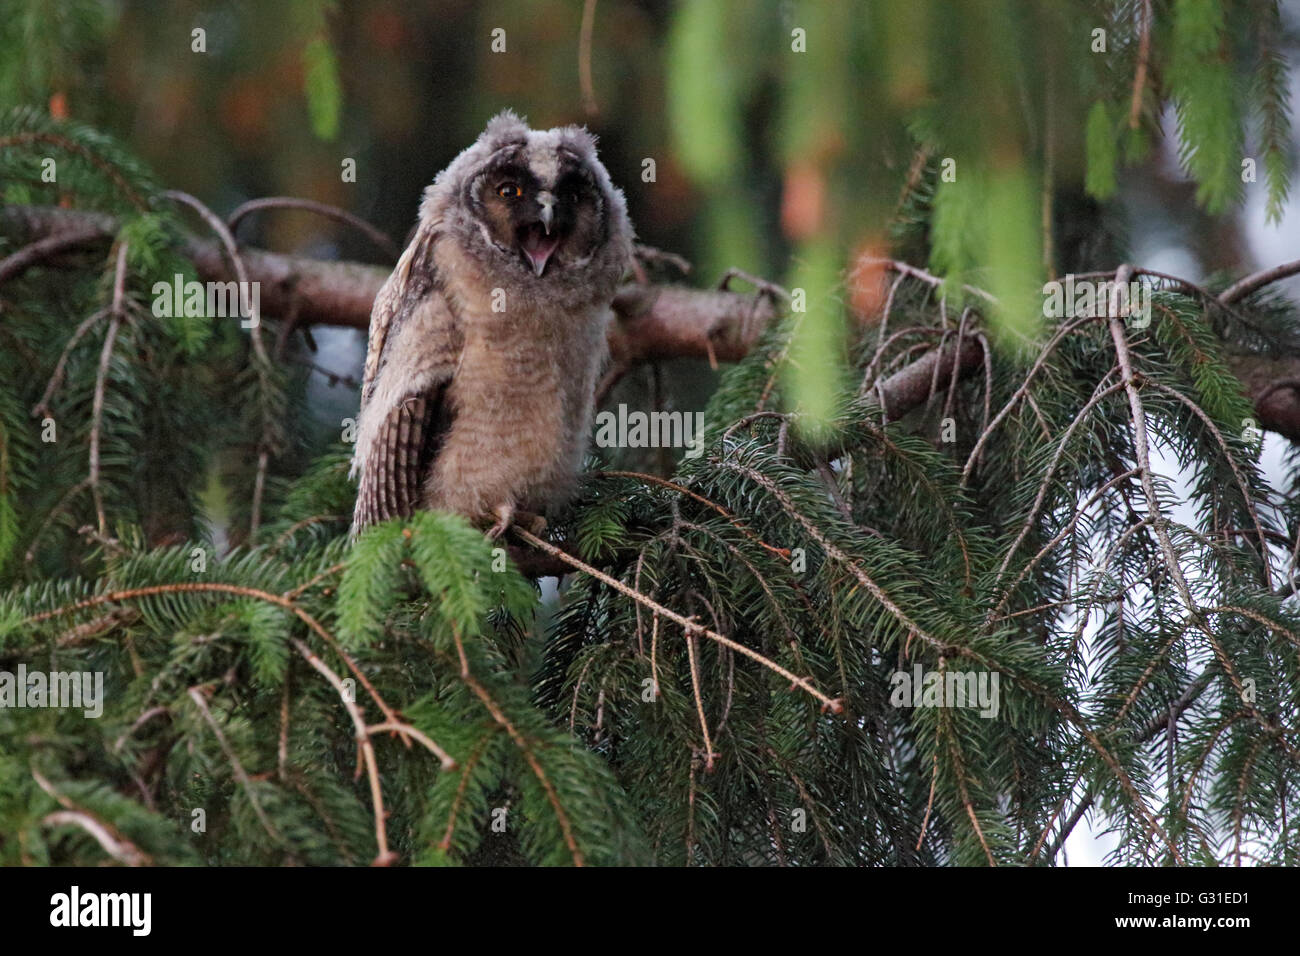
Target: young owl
{"x":486,"y":341}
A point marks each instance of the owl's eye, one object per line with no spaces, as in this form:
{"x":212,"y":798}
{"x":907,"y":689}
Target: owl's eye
{"x":509,"y":191}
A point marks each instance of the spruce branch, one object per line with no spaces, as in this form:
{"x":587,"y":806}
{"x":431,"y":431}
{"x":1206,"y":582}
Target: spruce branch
{"x":67,"y":144}
{"x":384,"y":857}
{"x":655,"y":321}
{"x":1100,"y":394}
{"x":42,"y":408}
{"x":699,"y":701}
{"x":41,"y":250}
{"x":197,"y":694}
{"x":1158,"y":519}
{"x":128,"y":594}
{"x":1256,"y":281}
{"x":124,"y":851}
{"x":735,"y":522}
{"x":1020,"y":393}
{"x":525,"y":748}
{"x":1231,"y":459}
{"x":1063,"y":707}
{"x":833,"y":706}
{"x":114,"y":843}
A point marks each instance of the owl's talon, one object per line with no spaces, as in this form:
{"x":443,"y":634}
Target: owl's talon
{"x":643,"y":256}
{"x":762,"y":287}
{"x":505,"y":515}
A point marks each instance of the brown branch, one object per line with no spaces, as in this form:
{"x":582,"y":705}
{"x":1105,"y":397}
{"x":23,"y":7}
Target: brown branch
{"x":101,"y":381}
{"x":217,"y":587}
{"x":28,"y":256}
{"x":384,"y":856}
{"x":125,"y":852}
{"x":655,"y":321}
{"x":659,"y":322}
{"x":1252,"y":283}
{"x":115,"y":844}
{"x":552,"y":796}
{"x":200,"y":701}
{"x":709,"y":753}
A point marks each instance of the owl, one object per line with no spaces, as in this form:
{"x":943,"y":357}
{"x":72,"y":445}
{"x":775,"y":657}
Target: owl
{"x":486,"y":341}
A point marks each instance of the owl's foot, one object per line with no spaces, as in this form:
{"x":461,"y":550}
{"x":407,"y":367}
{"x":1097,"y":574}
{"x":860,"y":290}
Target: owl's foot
{"x":643,"y":256}
{"x":761,"y":286}
{"x":507,"y":515}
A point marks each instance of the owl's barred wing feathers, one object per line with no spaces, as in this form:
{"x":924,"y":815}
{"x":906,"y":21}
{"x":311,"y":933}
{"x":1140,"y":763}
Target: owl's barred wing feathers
{"x":399,"y":458}
{"x":410,"y":280}
{"x":414,"y":345}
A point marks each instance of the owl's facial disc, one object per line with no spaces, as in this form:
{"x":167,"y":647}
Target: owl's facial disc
{"x":549,"y":219}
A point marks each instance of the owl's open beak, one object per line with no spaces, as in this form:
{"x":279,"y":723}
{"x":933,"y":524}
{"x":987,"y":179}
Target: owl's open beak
{"x":538,"y":245}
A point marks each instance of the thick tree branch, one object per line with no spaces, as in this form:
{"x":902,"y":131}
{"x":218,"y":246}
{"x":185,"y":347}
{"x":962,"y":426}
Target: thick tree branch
{"x":656,"y":321}
{"x":1273,"y":385}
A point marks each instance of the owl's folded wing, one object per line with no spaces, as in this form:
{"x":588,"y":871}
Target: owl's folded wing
{"x":414,"y":346}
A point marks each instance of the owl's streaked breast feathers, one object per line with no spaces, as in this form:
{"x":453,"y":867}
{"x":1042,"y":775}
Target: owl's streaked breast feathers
{"x":486,"y":341}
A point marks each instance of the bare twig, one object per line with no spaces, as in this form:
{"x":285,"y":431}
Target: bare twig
{"x":699,"y":702}
{"x":101,"y":380}
{"x":200,"y":701}
{"x":1255,"y":281}
{"x":384,"y":856}
{"x":122,"y":850}
{"x":321,"y":209}
{"x":18,"y":262}
{"x":114,"y":843}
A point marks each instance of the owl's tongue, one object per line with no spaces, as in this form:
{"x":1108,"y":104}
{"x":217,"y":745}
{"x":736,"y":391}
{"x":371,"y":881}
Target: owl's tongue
{"x":538,"y":246}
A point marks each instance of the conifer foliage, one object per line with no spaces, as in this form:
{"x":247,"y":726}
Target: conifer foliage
{"x":1073,"y":505}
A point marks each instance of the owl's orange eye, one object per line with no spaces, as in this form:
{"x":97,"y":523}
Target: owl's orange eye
{"x":509,"y":191}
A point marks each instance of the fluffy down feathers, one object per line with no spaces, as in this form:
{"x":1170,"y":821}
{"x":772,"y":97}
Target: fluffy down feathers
{"x":481,"y":366}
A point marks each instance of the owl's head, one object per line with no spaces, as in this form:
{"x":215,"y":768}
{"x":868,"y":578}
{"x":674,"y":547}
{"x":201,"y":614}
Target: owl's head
{"x":535,"y":208}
